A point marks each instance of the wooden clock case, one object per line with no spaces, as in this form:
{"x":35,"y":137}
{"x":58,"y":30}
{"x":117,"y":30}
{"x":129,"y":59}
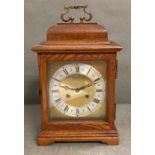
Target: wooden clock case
{"x":77,"y":42}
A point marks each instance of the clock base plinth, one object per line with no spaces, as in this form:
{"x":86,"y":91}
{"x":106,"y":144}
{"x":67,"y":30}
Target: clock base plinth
{"x":44,"y":141}
{"x":111,"y":141}
{"x":47,"y":137}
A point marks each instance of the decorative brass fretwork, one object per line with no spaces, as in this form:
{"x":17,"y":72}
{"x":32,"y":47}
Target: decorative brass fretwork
{"x":71,"y":18}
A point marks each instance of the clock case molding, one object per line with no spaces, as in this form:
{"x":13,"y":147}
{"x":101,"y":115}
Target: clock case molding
{"x":78,"y":42}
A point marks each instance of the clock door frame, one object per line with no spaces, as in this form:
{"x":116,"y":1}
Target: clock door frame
{"x":81,"y":130}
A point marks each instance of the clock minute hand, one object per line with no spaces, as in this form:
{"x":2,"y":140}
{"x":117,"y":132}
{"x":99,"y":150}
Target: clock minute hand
{"x":85,"y":86}
{"x":90,"y":84}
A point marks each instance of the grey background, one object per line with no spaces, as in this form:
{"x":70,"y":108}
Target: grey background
{"x":113,"y":14}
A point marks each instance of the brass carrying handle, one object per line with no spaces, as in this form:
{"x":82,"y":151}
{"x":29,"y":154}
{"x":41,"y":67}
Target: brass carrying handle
{"x":71,"y":18}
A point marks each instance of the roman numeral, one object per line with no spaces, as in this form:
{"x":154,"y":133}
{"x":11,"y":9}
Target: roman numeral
{"x":65,"y":71}
{"x":77,"y":112}
{"x":96,"y":100}
{"x":88,"y":70}
{"x":56,"y":79}
{"x":55,"y":91}
{"x":77,"y":68}
{"x":58,"y":100}
{"x":88,"y":108}
{"x":99,"y":90}
{"x":66,"y":108}
{"x":96,"y":80}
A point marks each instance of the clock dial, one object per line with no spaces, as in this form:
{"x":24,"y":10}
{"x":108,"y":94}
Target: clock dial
{"x":76,"y":89}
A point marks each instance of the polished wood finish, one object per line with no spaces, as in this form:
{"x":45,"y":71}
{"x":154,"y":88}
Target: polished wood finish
{"x":75,"y":38}
{"x":78,"y":42}
{"x":81,"y":32}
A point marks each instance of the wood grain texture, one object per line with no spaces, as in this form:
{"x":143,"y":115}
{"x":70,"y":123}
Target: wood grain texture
{"x":48,"y":136}
{"x":78,"y":43}
{"x":69,"y":38}
{"x":83,"y":32}
{"x":32,"y":126}
{"x":99,"y":130}
{"x":77,"y":48}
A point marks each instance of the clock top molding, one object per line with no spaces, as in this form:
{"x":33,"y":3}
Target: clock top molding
{"x":77,"y":37}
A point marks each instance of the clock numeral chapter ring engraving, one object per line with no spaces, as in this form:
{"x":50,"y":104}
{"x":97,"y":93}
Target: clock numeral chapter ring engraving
{"x":96,"y":100}
{"x":65,"y":103}
{"x":65,"y":71}
{"x":77,"y":68}
{"x":66,"y":108}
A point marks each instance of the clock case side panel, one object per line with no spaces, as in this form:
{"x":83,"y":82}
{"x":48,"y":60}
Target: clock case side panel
{"x":43,"y":90}
{"x":100,"y":129}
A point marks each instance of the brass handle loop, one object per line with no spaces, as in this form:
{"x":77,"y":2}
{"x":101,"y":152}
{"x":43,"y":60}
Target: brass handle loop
{"x":71,"y":18}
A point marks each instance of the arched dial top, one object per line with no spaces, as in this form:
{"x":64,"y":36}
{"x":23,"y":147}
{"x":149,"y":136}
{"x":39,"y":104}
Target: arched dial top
{"x":76,"y":89}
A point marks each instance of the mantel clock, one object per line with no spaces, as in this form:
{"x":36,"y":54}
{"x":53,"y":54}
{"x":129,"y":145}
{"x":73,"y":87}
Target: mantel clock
{"x":77,"y":71}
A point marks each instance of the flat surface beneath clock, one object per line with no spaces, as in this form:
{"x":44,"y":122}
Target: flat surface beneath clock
{"x":32,"y":125}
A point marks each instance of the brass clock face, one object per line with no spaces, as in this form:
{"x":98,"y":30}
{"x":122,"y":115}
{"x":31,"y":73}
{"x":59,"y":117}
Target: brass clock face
{"x":76,"y":90}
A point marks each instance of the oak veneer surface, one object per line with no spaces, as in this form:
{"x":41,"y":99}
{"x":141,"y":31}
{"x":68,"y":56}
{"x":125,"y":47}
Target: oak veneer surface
{"x":74,"y":37}
{"x":32,"y":127}
{"x":46,"y":136}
